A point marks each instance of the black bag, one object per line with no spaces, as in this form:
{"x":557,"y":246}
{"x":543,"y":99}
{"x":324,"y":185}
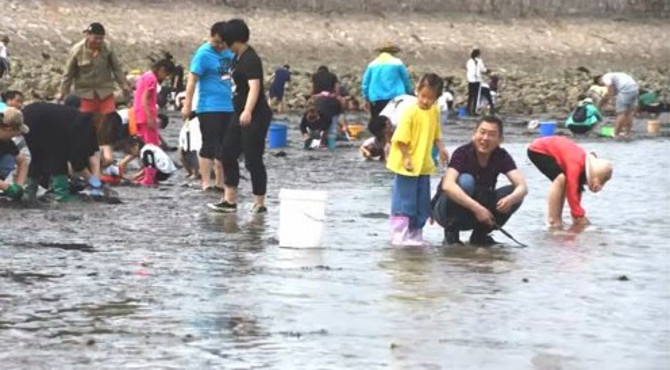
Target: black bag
{"x":580,"y":114}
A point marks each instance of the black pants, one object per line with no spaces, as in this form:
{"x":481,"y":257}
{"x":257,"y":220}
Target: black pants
{"x":249,"y":141}
{"x":454,"y":217}
{"x":83,"y":142}
{"x":4,"y":67}
{"x":376,"y":107}
{"x":546,"y":164}
{"x":579,"y":129}
{"x":213,"y":127}
{"x":473,"y":94}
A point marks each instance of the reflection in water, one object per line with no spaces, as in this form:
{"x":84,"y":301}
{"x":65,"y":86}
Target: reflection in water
{"x":220,"y":293}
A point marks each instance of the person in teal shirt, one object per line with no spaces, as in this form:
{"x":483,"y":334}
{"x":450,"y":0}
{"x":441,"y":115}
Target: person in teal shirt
{"x":584,"y":118}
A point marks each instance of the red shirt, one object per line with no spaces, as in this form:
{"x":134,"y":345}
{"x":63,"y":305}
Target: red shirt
{"x":572,"y":160}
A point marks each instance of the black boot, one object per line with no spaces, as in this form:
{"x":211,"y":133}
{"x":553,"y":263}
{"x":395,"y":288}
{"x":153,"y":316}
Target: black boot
{"x":451,"y":238}
{"x":482,"y":238}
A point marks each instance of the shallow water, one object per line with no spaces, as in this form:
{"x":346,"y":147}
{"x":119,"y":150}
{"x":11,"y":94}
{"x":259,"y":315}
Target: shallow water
{"x":161,"y":282}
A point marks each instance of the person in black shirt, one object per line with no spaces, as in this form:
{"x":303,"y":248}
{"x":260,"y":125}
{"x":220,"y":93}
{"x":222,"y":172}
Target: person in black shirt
{"x":59,"y":134}
{"x":324,"y":80}
{"x":313,"y":125}
{"x":249,"y":127}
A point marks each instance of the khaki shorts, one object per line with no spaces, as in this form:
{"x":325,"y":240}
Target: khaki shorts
{"x":625,"y":101}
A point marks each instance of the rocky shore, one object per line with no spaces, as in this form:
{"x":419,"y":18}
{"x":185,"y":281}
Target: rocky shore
{"x":537,"y":59}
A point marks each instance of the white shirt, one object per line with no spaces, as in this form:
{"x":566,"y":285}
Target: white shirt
{"x":163,"y":162}
{"x":123,"y":113}
{"x":3,"y":50}
{"x":190,"y":137}
{"x":475,"y":68}
{"x":443,"y":102}
{"x":395,"y":108}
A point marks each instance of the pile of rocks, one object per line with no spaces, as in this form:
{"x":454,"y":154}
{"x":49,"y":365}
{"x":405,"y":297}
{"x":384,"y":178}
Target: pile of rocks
{"x":519,"y":92}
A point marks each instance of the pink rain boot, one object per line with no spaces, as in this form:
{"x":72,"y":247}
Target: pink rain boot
{"x":399,"y":230}
{"x":149,"y":178}
{"x":415,"y":238}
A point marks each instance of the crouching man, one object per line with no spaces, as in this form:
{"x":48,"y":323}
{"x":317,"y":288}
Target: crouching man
{"x":11,"y":126}
{"x":467,"y":198}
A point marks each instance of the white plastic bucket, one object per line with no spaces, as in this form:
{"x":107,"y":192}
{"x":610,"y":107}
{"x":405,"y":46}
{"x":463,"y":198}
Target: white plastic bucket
{"x":302,"y":218}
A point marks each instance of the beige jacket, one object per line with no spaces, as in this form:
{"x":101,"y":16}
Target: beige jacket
{"x":92,"y":76}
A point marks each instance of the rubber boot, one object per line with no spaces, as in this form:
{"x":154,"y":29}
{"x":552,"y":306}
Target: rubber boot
{"x":149,"y":178}
{"x":30,"y":190}
{"x":399,"y":230}
{"x":415,"y":239}
{"x":61,"y":188}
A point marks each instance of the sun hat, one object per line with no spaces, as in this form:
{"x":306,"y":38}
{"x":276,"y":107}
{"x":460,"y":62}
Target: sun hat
{"x":598,"y":167}
{"x":389,"y":47}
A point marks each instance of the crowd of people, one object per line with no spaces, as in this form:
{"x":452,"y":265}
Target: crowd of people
{"x":227,"y":113}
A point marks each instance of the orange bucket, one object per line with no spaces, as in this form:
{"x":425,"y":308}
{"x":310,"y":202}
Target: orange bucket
{"x":355,"y":130}
{"x":654,"y":127}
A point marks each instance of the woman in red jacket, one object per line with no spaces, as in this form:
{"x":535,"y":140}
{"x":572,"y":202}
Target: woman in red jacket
{"x":569,"y":168}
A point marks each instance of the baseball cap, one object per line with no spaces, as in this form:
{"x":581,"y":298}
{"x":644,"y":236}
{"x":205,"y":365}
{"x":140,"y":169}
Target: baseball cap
{"x":95,"y":28}
{"x":13,"y":117}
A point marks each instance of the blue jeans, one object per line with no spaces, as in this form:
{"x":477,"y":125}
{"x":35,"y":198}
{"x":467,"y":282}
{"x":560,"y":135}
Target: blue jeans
{"x":454,"y":217}
{"x":7,"y":165}
{"x":411,"y":198}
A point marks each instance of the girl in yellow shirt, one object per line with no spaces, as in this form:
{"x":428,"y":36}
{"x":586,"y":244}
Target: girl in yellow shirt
{"x":411,"y":161}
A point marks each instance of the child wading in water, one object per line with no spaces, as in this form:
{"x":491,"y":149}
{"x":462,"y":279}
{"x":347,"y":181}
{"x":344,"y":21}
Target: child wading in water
{"x":569,"y":168}
{"x":410,"y":159}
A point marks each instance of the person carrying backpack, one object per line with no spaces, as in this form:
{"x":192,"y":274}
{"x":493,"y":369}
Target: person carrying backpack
{"x":584,"y":117}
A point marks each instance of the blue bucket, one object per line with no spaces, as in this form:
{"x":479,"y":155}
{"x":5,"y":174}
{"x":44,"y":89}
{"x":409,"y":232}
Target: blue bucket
{"x":462,"y":112}
{"x":278,"y":135}
{"x":547,"y":128}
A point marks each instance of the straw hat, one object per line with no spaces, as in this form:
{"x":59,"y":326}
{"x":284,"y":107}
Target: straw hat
{"x":388,"y":47}
{"x":598,"y":167}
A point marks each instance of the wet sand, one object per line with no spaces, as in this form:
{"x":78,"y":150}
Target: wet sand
{"x":162,"y":282}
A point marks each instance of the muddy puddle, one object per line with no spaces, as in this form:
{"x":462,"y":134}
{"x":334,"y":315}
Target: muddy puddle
{"x":160,"y":282}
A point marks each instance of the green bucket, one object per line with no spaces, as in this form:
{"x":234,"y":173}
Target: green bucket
{"x":607,"y":131}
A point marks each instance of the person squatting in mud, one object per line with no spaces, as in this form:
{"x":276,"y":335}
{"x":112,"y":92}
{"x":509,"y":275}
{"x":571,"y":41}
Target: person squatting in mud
{"x":467,"y":197}
{"x":11,"y":126}
{"x":60,"y":137}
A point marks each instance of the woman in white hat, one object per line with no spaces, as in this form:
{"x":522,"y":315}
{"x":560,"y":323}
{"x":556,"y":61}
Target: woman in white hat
{"x":569,"y":168}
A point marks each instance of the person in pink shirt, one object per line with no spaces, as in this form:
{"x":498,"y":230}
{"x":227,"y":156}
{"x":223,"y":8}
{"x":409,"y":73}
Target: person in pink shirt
{"x":146,"y":109}
{"x":569,"y":168}
{"x":145,"y":100}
